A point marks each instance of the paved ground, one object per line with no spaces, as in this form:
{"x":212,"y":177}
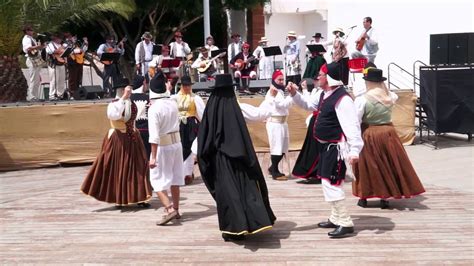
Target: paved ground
{"x":45,"y":219}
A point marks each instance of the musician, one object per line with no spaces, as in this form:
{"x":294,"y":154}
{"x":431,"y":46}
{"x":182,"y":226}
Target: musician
{"x":234,"y":47}
{"x":265,"y":67}
{"x":179,"y":49}
{"x":201,"y":63}
{"x":56,"y":67}
{"x":316,"y":59}
{"x":144,"y":54}
{"x":156,"y":64}
{"x":244,"y":64}
{"x":370,"y":45}
{"x":32,"y":49}
{"x":75,"y":61}
{"x":210,"y":44}
{"x":111,"y":69}
{"x":339,"y":53}
{"x":292,"y":60}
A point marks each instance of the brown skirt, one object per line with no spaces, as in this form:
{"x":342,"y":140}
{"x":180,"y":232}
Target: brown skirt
{"x":384,"y":170}
{"x":120,"y":172}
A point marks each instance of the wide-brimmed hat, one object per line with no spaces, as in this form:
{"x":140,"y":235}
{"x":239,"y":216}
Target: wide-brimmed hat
{"x":147,"y":35}
{"x":223,"y":80}
{"x":186,"y":80}
{"x":263,"y":39}
{"x":121,"y":83}
{"x":339,"y":29}
{"x":318,"y":35}
{"x":291,"y":34}
{"x":375,"y":75}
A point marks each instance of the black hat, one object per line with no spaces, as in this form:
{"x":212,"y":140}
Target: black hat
{"x":186,"y":80}
{"x":375,"y":75}
{"x":223,"y":80}
{"x":121,"y":82}
{"x":318,"y":35}
{"x":334,"y":70}
{"x":138,"y":81}
{"x":157,"y":83}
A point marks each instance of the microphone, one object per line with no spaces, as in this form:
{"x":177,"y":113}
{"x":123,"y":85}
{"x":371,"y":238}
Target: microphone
{"x":353,"y":27}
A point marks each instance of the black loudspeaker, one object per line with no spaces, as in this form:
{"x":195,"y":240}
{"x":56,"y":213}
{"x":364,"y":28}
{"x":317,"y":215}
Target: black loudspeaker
{"x":470,"y":48}
{"x":203,"y":86}
{"x":88,"y":93}
{"x":439,"y":49}
{"x":447,"y":97}
{"x":256,"y":85}
{"x":458,"y":48}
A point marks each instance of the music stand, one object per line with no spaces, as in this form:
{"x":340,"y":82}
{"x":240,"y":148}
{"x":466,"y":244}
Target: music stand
{"x":216,"y":52}
{"x":272,"y":51}
{"x":113,"y":57}
{"x":170,"y":63}
{"x":157,"y":49}
{"x":316,"y":48}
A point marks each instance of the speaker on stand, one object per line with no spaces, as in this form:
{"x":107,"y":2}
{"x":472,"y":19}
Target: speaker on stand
{"x":89,"y":93}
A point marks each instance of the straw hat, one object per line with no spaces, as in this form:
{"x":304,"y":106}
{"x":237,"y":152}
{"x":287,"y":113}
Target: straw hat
{"x":263,"y":39}
{"x":339,"y":29}
{"x":292,"y":34}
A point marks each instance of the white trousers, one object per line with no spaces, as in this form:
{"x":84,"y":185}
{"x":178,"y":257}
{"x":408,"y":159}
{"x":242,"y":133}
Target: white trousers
{"x":169,"y":169}
{"x":278,"y":137}
{"x":188,"y":165}
{"x":57,"y":77}
{"x":34,"y":81}
{"x":339,"y":215}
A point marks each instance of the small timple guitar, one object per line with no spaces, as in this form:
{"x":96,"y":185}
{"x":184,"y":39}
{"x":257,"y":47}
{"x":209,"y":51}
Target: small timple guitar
{"x":242,"y":64}
{"x":113,"y":50}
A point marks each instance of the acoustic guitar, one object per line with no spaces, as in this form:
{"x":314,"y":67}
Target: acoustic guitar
{"x":243,"y":63}
{"x":78,"y":53}
{"x":57,"y":59}
{"x":361,"y":41}
{"x":113,"y":50}
{"x":208,"y":63}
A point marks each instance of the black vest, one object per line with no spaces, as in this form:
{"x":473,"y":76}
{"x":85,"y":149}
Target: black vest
{"x":327,"y":126}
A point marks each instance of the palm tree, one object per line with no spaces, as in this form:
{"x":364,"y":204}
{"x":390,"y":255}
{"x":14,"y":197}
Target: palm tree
{"x":42,"y":15}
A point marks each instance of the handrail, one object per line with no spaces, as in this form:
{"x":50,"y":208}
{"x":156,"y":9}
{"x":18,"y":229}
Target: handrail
{"x":415,"y":78}
{"x":399,"y":67}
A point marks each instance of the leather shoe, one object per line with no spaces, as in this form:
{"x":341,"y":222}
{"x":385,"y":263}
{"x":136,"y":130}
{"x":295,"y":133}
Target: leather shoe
{"x":309,"y":181}
{"x":341,"y":231}
{"x":384,"y":204}
{"x":362,"y":203}
{"x":231,"y":237}
{"x":327,"y":224}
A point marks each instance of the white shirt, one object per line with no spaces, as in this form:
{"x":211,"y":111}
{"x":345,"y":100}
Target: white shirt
{"x":148,"y":52}
{"x":52,"y":46}
{"x":162,"y":118}
{"x":371,"y":45}
{"x":346,"y":114}
{"x":179,"y":49}
{"x":197,"y":63}
{"x":102,"y":49}
{"x":235,"y":48}
{"x":280,"y":104}
{"x":115,"y":109}
{"x":27,"y":42}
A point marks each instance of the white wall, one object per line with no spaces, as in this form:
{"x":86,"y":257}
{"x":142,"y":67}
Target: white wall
{"x":307,"y":24}
{"x":403,"y":27}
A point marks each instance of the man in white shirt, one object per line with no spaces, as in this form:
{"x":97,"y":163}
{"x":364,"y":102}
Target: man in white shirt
{"x":202,"y":62}
{"x":292,"y":58}
{"x":235,"y":47}
{"x":371,"y":45}
{"x":179,"y":49}
{"x":336,"y":127}
{"x":32,"y":50}
{"x":166,"y":160}
{"x":265,"y":66}
{"x":56,"y":68}
{"x":111,"y":69}
{"x":144,"y":54}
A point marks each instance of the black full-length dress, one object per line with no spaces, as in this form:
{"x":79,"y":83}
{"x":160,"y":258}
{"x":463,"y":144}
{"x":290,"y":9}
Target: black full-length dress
{"x":230,"y":168}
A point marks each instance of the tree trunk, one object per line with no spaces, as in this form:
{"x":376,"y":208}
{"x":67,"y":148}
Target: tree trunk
{"x":13,"y":85}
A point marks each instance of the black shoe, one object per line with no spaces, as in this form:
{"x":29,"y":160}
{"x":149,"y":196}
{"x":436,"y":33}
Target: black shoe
{"x":231,"y":237}
{"x":144,"y":204}
{"x":384,"y":204}
{"x":362,"y":203}
{"x":310,"y":181}
{"x":341,"y":231}
{"x":327,"y":224}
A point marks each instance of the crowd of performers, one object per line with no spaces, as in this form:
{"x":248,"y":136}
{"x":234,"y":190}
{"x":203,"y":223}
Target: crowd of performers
{"x":157,"y":137}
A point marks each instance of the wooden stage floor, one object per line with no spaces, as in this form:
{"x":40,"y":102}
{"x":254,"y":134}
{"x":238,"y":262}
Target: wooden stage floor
{"x":45,"y":219}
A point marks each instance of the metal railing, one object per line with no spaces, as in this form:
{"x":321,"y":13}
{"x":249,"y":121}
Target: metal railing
{"x":390,"y":72}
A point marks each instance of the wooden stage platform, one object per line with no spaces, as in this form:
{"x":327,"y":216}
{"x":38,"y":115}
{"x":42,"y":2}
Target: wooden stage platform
{"x":45,"y":219}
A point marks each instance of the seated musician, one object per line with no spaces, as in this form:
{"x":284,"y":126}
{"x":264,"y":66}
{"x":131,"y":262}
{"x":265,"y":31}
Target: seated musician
{"x":205,"y":67}
{"x":244,"y":64}
{"x":156,"y":63}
